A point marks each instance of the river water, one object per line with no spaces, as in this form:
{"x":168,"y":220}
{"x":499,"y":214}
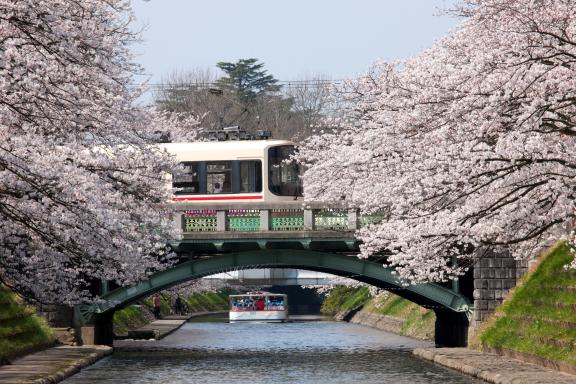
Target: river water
{"x":299,"y":352}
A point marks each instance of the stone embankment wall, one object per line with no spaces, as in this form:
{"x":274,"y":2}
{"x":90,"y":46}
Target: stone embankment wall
{"x":495,"y":274}
{"x":386,"y":311}
{"x":60,"y":318}
{"x":379,"y":321}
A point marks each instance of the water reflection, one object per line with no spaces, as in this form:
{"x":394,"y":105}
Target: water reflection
{"x":314,"y":352}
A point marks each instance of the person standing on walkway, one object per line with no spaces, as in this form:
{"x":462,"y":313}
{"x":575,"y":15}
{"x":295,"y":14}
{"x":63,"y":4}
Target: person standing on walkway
{"x":178,"y":305}
{"x":156,"y":303}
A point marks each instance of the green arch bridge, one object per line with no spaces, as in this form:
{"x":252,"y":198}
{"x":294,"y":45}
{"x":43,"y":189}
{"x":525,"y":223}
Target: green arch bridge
{"x":313,"y":239}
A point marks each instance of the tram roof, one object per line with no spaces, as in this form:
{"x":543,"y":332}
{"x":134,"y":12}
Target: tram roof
{"x":259,"y":294}
{"x":221,"y":150}
{"x":224,"y":145}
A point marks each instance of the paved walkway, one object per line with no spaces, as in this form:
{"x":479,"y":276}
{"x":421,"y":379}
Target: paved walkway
{"x":158,"y":329}
{"x":51,"y":365}
{"x":494,"y":368}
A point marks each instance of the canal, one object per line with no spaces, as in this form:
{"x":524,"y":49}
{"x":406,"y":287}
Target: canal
{"x":300,"y":352}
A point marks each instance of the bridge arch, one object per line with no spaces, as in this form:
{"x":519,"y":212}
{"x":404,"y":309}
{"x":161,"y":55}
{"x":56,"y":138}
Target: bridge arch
{"x":452,"y":308}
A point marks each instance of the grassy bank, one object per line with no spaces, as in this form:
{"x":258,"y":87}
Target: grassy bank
{"x":132,"y":317}
{"x":418,"y":322}
{"x":21,"y":330}
{"x":343,"y":298}
{"x":539,"y":319}
{"x":208,"y":302}
{"x":136,"y":316}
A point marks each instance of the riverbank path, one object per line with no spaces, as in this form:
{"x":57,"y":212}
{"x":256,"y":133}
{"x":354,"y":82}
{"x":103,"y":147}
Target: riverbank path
{"x":160,"y":328}
{"x":51,"y":365}
{"x":493,"y":368}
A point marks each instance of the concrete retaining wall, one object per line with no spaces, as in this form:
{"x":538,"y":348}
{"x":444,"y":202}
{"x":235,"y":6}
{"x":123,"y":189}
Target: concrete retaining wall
{"x":375,"y":320}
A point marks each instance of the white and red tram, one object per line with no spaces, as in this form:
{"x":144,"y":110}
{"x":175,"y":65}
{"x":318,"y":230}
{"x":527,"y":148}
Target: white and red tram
{"x":251,"y":171}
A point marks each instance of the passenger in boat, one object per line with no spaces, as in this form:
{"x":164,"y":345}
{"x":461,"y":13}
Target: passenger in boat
{"x":272,"y":303}
{"x":260,"y":304}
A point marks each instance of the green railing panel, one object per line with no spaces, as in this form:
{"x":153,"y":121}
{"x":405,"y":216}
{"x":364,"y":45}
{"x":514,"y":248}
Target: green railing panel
{"x":331,"y":218}
{"x":244,"y":220}
{"x":200,"y":220}
{"x":286,"y":220}
{"x":375,"y":218}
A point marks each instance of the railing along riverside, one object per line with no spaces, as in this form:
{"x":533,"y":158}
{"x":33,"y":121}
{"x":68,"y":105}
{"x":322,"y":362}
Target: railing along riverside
{"x":292,"y":216}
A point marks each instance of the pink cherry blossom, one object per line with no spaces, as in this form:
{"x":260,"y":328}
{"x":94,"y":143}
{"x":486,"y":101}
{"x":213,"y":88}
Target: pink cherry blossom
{"x":82,"y":187}
{"x":467,"y":146}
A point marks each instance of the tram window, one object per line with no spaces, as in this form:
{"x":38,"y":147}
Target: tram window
{"x":186,"y":179}
{"x":283,"y":175}
{"x":250,"y":176}
{"x":219,"y":177}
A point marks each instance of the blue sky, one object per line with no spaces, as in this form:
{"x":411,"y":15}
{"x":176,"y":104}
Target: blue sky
{"x":295,"y":38}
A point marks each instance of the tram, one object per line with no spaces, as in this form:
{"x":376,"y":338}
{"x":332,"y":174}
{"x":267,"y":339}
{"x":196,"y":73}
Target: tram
{"x":259,"y":306}
{"x":250,"y":171}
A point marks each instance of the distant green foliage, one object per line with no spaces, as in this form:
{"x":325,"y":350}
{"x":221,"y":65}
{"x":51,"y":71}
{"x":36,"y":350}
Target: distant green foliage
{"x":20,"y":328}
{"x":540,"y":318}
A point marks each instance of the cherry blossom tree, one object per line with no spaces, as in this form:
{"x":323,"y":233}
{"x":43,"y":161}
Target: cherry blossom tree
{"x":468,"y":145}
{"x":82,"y":192}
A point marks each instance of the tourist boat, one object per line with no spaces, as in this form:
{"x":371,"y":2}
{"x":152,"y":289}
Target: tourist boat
{"x":259,"y":306}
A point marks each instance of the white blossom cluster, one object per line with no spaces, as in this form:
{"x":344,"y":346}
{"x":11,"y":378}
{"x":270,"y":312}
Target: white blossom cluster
{"x":469,"y":145}
{"x":203,"y":285}
{"x":82,"y":195}
{"x":346,"y":282}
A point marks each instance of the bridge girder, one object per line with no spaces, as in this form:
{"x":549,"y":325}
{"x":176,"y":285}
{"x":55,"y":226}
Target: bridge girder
{"x":428,"y":295}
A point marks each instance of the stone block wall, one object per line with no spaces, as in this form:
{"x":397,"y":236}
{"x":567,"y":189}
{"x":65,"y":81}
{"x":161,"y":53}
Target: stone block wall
{"x":495,"y":273}
{"x":61,"y":319}
{"x":58,"y":316}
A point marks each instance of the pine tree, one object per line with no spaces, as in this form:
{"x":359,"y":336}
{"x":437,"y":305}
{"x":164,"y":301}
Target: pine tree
{"x":247,"y":78}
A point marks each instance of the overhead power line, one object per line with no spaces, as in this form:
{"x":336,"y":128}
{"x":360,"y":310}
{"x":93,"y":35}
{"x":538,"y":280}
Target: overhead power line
{"x":207,"y":85}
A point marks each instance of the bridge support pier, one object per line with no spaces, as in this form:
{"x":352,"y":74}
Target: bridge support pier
{"x":451,"y":329}
{"x":104,"y":328}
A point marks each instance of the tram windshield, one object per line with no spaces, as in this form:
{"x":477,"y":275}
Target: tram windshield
{"x":283,"y":174}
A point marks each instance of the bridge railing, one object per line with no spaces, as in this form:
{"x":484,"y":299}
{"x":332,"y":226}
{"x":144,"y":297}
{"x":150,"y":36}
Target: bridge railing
{"x":270,"y":217}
